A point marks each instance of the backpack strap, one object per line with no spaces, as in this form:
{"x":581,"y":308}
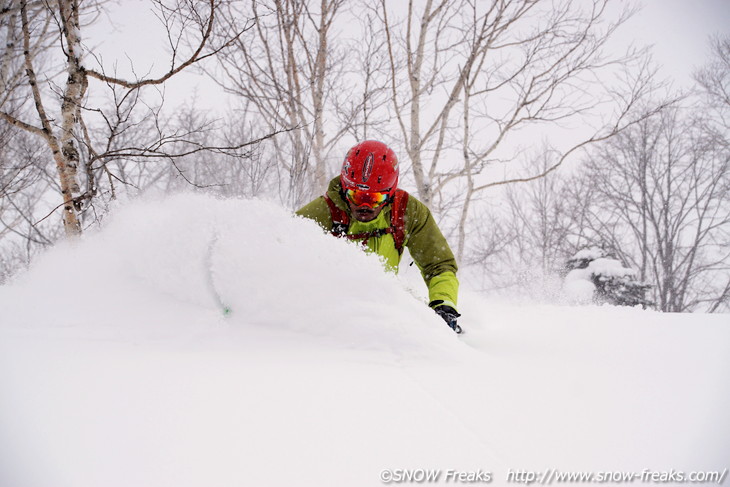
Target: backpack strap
{"x":398,"y":218}
{"x":341,"y":221}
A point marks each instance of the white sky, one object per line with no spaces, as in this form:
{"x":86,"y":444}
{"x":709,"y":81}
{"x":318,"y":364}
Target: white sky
{"x":679,"y":31}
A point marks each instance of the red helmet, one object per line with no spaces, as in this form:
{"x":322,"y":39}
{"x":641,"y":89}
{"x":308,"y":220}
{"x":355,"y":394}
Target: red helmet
{"x":370,"y":166}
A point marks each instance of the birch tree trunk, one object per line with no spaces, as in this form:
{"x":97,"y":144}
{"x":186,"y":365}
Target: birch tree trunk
{"x":70,"y":107}
{"x":54,"y":28}
{"x":64,"y":153}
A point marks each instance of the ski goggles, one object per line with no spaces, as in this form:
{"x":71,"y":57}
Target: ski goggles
{"x":367,"y":198}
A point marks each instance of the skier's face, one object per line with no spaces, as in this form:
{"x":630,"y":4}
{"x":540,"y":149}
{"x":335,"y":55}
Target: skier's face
{"x":364,"y":213}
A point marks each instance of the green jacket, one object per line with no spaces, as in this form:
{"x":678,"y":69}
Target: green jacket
{"x":424,"y":241}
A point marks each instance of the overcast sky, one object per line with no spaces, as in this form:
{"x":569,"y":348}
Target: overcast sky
{"x":679,"y":30}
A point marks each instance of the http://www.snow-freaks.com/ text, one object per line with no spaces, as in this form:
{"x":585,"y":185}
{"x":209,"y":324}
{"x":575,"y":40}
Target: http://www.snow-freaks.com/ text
{"x":550,"y":476}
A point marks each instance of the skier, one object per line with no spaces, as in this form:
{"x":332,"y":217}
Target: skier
{"x":364,"y":203}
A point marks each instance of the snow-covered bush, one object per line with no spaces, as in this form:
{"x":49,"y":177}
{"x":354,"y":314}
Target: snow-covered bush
{"x":594,"y":276}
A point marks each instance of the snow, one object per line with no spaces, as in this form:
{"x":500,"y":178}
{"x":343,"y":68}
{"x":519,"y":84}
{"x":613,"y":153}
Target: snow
{"x":578,"y":287}
{"x":598,"y":265}
{"x":609,"y":267}
{"x":118,"y":366}
{"x":590,"y":253}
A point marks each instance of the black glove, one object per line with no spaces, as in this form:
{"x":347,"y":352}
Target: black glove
{"x":448,"y":314}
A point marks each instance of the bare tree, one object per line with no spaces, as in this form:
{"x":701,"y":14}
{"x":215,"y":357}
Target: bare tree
{"x":543,"y":220}
{"x":480,"y":75}
{"x":508,"y":64}
{"x":363,"y":108}
{"x":655,"y":195}
{"x":662,"y":205}
{"x":249,"y":172}
{"x":84,"y":137}
{"x":713,"y":82}
{"x":289,"y":69}
{"x":537,"y":225}
{"x":23,"y":186}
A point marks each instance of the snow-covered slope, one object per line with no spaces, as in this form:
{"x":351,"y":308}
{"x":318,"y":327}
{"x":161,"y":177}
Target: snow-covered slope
{"x":118,"y":366}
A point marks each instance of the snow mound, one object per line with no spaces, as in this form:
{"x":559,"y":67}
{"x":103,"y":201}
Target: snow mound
{"x":195,"y":255}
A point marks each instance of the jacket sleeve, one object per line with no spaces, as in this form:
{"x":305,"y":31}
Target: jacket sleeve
{"x":318,"y":211}
{"x":432,"y":254}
